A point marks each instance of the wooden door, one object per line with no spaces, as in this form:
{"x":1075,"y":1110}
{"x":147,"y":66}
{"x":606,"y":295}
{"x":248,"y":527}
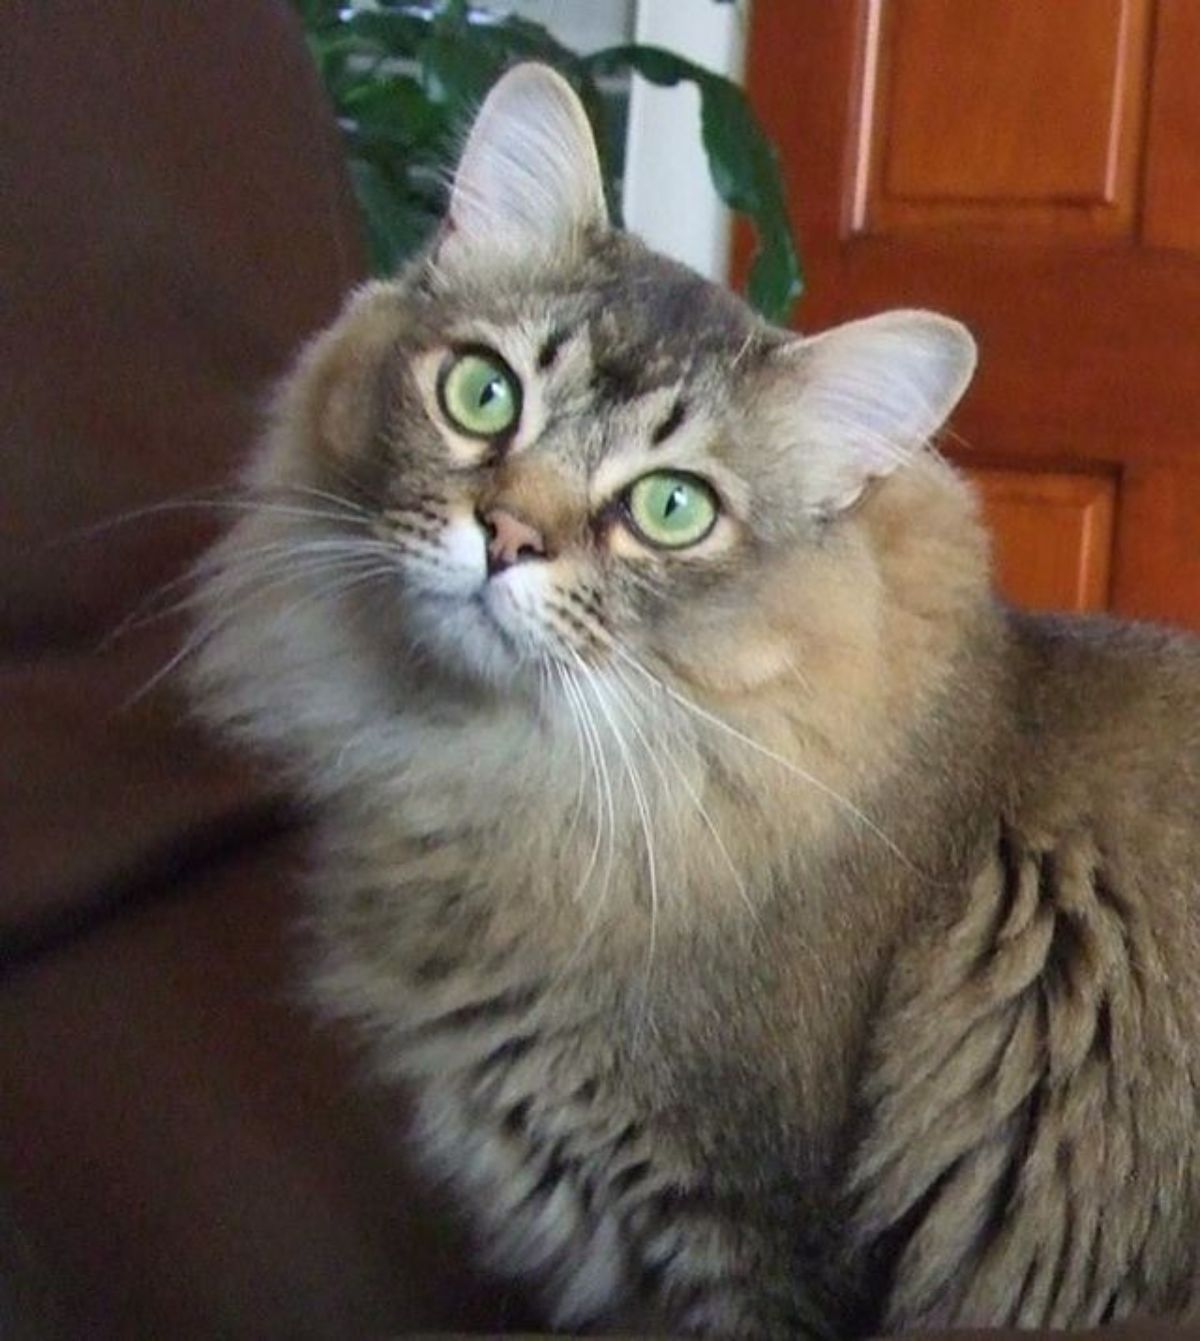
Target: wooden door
{"x":1032,"y":167}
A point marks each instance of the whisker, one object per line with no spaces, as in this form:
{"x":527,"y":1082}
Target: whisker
{"x":240,"y":565}
{"x":607,"y":809}
{"x":212,"y":626}
{"x":605,"y":793}
{"x":545,"y":670}
{"x":236,"y":506}
{"x":694,"y":797}
{"x":745,"y":346}
{"x":805,"y":683}
{"x":323,"y":495}
{"x":584,"y":742}
{"x":280,"y":560}
{"x":593,"y":918}
{"x":590,"y":680}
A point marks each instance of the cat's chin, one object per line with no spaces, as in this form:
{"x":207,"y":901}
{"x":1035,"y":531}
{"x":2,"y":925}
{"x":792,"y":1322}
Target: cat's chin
{"x":493,"y":632}
{"x":464,"y":636}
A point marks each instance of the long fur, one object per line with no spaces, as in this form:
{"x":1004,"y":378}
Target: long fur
{"x":781,"y":937}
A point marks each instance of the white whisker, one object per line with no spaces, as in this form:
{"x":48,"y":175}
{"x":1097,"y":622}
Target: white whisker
{"x":680,"y":777}
{"x":592,"y":681}
{"x":580,"y":788}
{"x":842,"y":802}
{"x":805,"y":683}
{"x":571,"y":688}
{"x":239,"y":568}
{"x":348,"y":574}
{"x":604,"y":785}
{"x":351,"y":516}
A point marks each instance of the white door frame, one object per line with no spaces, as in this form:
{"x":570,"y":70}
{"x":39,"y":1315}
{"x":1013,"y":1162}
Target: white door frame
{"x":668,"y":196}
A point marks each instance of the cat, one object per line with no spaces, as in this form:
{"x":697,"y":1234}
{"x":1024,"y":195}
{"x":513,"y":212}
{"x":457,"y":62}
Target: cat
{"x":782,"y":937}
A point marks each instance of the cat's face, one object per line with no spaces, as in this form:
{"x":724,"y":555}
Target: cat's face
{"x":572,"y":469}
{"x":578,"y":453}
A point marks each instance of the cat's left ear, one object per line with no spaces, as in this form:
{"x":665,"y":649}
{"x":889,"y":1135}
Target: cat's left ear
{"x":528,"y":183}
{"x":867,"y":396}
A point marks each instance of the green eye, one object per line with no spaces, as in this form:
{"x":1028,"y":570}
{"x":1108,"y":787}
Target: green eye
{"x":479,"y":393}
{"x":672,"y":510}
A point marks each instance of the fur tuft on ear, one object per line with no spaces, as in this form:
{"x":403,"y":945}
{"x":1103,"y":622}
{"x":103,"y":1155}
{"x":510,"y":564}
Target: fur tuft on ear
{"x":870,"y":394}
{"x":529,"y":179}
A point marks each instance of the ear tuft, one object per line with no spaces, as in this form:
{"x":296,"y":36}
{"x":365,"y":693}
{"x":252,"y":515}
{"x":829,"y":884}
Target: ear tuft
{"x":873,"y":393}
{"x":528,"y":182}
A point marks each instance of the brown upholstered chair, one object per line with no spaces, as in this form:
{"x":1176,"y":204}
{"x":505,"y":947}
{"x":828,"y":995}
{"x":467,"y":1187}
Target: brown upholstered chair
{"x":183,"y":1153}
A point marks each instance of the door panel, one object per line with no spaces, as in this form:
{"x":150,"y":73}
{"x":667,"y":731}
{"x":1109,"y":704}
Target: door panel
{"x":1172,"y":217}
{"x":1033,"y":169}
{"x":1156,"y":573}
{"x":1008,"y":116}
{"x":1055,"y":533}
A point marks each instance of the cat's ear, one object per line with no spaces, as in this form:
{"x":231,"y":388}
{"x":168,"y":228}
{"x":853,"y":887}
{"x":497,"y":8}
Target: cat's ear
{"x":870,"y":394}
{"x":528,"y":183}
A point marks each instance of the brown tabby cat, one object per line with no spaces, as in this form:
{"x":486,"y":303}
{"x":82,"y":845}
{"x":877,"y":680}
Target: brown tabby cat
{"x":783,"y":938}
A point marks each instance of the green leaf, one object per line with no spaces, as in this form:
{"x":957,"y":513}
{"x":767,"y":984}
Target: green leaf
{"x":458,"y":71}
{"x":401,"y":131}
{"x":397,"y":224}
{"x":393,"y":32}
{"x":344,"y":60}
{"x":452,"y":17}
{"x":741,"y":162}
{"x":395,"y":111}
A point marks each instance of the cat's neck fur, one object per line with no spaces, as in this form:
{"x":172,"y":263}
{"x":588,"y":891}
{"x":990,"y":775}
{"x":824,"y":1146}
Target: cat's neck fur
{"x":544,"y":816}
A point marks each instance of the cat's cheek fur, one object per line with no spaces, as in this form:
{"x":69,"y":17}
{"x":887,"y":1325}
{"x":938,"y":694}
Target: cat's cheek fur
{"x":795,"y":618}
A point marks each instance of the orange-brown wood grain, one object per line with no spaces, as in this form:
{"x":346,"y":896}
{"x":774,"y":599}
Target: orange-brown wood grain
{"x":1009,"y":117}
{"x":1172,"y":211}
{"x":1089,"y":341}
{"x":1156,"y":573}
{"x":1053,"y":535}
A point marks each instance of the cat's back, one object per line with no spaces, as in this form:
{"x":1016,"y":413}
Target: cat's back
{"x":1106,"y":723}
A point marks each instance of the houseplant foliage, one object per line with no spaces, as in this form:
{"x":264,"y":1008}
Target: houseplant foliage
{"x":406,"y":78}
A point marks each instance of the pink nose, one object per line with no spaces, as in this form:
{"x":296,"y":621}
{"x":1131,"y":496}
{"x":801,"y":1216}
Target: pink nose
{"x":510,"y":540}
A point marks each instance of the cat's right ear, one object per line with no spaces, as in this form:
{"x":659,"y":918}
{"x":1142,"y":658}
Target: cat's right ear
{"x":528,"y":184}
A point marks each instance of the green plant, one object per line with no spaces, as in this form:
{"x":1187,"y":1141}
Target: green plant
{"x":405,"y":78}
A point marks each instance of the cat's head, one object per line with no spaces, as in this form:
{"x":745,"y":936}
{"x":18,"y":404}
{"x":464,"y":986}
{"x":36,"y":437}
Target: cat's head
{"x":560,"y":450}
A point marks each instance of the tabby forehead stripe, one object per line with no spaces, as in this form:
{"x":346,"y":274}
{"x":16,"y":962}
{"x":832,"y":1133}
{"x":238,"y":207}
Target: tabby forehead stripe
{"x":550,"y":349}
{"x":669,"y":424}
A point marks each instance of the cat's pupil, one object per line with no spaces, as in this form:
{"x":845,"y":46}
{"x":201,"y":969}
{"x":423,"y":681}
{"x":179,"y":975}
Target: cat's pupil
{"x":489,"y":392}
{"x":674,"y":501}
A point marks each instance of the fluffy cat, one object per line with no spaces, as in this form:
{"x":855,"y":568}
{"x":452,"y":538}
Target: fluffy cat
{"x":782,"y":937}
